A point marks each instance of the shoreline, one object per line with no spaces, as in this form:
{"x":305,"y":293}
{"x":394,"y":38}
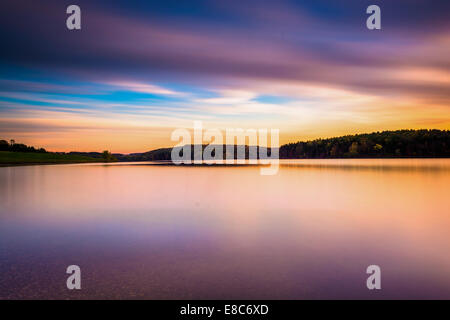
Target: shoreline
{"x":170,"y":163}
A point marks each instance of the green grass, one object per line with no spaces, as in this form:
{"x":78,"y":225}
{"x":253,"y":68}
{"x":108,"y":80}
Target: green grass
{"x":18,"y":158}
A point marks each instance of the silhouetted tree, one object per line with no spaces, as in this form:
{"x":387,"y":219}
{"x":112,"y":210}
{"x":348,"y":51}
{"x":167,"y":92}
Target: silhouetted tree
{"x":4,"y":145}
{"x":108,"y":157}
{"x":17,"y":147}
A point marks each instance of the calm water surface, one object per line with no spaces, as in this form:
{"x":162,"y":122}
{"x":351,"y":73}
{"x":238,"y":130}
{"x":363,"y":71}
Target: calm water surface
{"x":166,"y":232}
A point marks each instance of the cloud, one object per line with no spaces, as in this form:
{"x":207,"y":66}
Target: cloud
{"x":163,"y":64}
{"x":229,"y":96}
{"x":142,"y":87}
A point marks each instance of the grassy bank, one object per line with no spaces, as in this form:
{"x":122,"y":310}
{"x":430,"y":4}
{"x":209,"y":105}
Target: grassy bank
{"x":22,"y":158}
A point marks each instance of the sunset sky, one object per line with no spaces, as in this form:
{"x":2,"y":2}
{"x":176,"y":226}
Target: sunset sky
{"x":137,"y":70}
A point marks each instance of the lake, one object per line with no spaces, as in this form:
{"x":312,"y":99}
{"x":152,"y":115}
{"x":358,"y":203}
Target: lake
{"x":139,"y":230}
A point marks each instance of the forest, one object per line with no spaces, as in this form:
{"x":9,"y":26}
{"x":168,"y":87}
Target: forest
{"x":385,"y":144}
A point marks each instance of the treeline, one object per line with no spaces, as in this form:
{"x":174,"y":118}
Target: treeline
{"x":18,"y":147}
{"x":12,"y":146}
{"x":386,"y":144}
{"x":105,"y":155}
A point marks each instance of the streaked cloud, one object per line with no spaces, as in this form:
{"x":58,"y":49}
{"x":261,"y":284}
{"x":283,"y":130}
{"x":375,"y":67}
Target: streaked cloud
{"x":142,"y":87}
{"x":310,"y":68}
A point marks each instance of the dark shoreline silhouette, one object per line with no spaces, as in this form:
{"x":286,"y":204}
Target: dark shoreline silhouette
{"x":386,"y":144}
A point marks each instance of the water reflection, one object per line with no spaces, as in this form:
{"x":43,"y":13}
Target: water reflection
{"x":150,"y":231}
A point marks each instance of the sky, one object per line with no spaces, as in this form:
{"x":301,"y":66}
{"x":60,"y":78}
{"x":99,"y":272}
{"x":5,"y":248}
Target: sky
{"x":137,"y":70}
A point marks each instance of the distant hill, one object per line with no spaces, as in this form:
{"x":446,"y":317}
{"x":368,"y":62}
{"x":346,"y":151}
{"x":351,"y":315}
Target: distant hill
{"x":166,"y":154}
{"x":154,"y":155}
